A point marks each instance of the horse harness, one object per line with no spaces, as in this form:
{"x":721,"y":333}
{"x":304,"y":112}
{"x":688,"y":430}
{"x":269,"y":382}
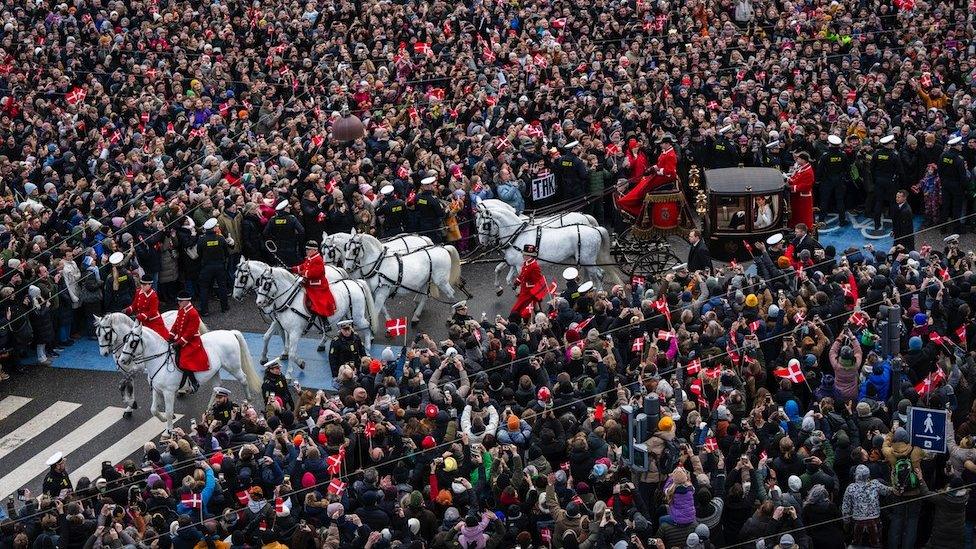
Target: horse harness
{"x":130,"y":344}
{"x":510,"y":241}
{"x":265,"y":290}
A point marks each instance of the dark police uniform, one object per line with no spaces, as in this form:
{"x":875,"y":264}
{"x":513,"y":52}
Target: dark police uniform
{"x":885,"y":168}
{"x":276,"y":385}
{"x":345,"y":349}
{"x":288,"y":235}
{"x":833,"y":170}
{"x":55,"y":482}
{"x":571,"y":176}
{"x":952,"y":173}
{"x":722,"y":153}
{"x":429,"y":215}
{"x":213,"y":252}
{"x":393,"y":212}
{"x":117,"y":299}
{"x":222,"y":412}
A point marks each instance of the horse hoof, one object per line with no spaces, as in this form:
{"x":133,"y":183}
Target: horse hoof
{"x":127,"y":414}
{"x":499,"y":291}
{"x":414,"y":323}
{"x":135,"y":405}
{"x":284,"y":356}
{"x":320,"y":348}
{"x":263,"y":359}
{"x":301,"y":365}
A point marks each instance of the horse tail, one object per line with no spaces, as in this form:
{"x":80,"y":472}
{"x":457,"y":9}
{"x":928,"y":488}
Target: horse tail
{"x":604,"y":258}
{"x":253,"y":379}
{"x":455,"y":278}
{"x":370,"y":306}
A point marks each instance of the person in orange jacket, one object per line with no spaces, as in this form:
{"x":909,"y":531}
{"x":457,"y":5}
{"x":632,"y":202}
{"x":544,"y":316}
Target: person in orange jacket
{"x":531,"y":282}
{"x":145,"y":307}
{"x":801,"y":191}
{"x":185,"y":336}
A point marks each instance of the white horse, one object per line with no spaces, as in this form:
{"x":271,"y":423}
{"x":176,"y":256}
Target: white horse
{"x":387,"y":271}
{"x":580,"y":244}
{"x":281,"y":295}
{"x":245,"y":278}
{"x":334,"y":245}
{"x":552,"y":220}
{"x":137,"y":348}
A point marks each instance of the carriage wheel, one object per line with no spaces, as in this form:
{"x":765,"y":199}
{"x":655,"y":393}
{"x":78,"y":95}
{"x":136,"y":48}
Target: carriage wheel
{"x":627,"y":250}
{"x":657,"y":258}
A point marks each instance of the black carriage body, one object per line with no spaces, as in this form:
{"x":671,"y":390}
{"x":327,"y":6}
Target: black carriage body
{"x":744,"y":204}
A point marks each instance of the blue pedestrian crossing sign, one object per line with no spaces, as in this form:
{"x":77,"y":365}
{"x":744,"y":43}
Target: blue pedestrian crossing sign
{"x":927,"y":429}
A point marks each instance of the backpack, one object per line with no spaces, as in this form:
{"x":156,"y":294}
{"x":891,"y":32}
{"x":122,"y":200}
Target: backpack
{"x":668,"y":459}
{"x":903,"y":475}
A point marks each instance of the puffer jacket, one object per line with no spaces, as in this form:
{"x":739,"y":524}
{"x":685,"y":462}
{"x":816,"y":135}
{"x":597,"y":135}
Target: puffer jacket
{"x":655,"y":447}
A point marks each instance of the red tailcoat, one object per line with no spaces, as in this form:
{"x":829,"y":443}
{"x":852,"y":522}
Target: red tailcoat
{"x":186,"y":334}
{"x":633,"y":201}
{"x":801,"y":196}
{"x":532,"y":286}
{"x":145,"y":307}
{"x":318,"y":294}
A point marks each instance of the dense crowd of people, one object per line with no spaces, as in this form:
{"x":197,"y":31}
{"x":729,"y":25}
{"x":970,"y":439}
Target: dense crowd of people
{"x":781,"y":408}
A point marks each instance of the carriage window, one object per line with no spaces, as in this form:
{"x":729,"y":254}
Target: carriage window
{"x":765,"y":210}
{"x":731,"y":212}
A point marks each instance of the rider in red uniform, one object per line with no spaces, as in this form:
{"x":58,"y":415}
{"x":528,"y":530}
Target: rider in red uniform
{"x":801,"y":191}
{"x":531,"y":282}
{"x":663,"y":172}
{"x":312,"y":270}
{"x":185,"y":336}
{"x":145,"y":307}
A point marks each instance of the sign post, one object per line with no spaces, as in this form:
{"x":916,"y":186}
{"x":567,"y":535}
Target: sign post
{"x":927,"y":429}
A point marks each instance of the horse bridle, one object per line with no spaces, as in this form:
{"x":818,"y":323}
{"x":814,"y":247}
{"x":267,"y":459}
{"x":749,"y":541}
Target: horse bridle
{"x":129,"y":346}
{"x":242,"y":279}
{"x":108,"y":344}
{"x":266,"y":284}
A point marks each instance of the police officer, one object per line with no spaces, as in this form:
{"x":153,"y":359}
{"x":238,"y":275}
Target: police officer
{"x":428,"y":211}
{"x":276,"y":385}
{"x":346,"y":347}
{"x":460,"y":316}
{"x":722,"y":152}
{"x":392,"y":212}
{"x":287,"y":234}
{"x":222,"y":408}
{"x":953,"y":174}
{"x":213,"y":250}
{"x":885,"y":169}
{"x":120,"y":287}
{"x":571,"y":174}
{"x":833,"y":169}
{"x":571,"y":293}
{"x":57,"y":479}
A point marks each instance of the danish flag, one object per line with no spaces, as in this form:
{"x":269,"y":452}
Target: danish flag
{"x":370,"y":429}
{"x":696,"y":387}
{"x":334,"y":462}
{"x":693,"y":367}
{"x":488,"y":54}
{"x":540,"y":60}
{"x":76,"y":95}
{"x":116,"y":136}
{"x":664,"y":335}
{"x":436,"y":93}
{"x":859,"y":319}
{"x":242,"y":497}
{"x":792,"y":372}
{"x":713,"y":105}
{"x":961,"y":334}
{"x":396,"y":326}
{"x":559,"y":23}
{"x":403,"y":172}
{"x":279,"y":505}
{"x":612,"y":149}
{"x":935,"y":338}
{"x":423,"y":48}
{"x":337,"y":487}
{"x":711,"y":444}
{"x":638,"y":345}
{"x":713,"y":373}
{"x":198,"y":132}
{"x":932,"y":381}
{"x":191,"y":500}
{"x":732,"y":352}
{"x":317,"y":140}
{"x":926,"y":80}
{"x":799,"y":317}
{"x":661,"y":305}
{"x":754,"y":325}
{"x":224,"y":109}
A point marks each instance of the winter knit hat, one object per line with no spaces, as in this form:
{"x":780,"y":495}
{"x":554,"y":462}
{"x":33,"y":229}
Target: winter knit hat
{"x":513,"y":423}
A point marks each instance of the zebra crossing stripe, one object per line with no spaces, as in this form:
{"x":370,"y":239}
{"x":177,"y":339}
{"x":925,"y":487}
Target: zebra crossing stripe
{"x":11,"y":404}
{"x":122,"y":449}
{"x":36,"y":425}
{"x":67,"y":444}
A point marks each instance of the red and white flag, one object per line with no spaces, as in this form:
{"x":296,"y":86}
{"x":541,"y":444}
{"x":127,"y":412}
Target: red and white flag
{"x":370,"y":429}
{"x":436,"y":94}
{"x":935,"y":338}
{"x":932,"y":381}
{"x":713,"y":373}
{"x":191,"y":500}
{"x":317,"y":140}
{"x":337,"y":487}
{"x":638,"y":345}
{"x":792,"y":372}
{"x":279,"y":505}
{"x":799,"y":317}
{"x":711,"y":444}
{"x":961,"y":335}
{"x":76,"y":95}
{"x":559,"y":23}
{"x":859,"y":319}
{"x":334,"y":464}
{"x":665,"y":335}
{"x":423,"y":48}
{"x":242,"y":497}
{"x":754,"y":325}
{"x":396,"y":326}
{"x":661,"y":306}
{"x":693,"y":367}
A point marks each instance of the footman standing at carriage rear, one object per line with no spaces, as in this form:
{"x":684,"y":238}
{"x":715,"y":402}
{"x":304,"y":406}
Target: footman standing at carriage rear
{"x":185,"y":336}
{"x":801,"y":191}
{"x":286,"y":232}
{"x":317,"y":291}
{"x":145,"y":307}
{"x":531,"y":282}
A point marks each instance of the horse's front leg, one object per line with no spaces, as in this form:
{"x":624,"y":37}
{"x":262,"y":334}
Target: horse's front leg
{"x":293,"y":339}
{"x":154,"y":406}
{"x":266,"y":339}
{"x":170,"y":401}
{"x":498,"y":270}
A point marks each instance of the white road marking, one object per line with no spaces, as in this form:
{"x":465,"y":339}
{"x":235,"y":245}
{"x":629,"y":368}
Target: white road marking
{"x":11,"y":404}
{"x":36,"y":425}
{"x":122,"y":449}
